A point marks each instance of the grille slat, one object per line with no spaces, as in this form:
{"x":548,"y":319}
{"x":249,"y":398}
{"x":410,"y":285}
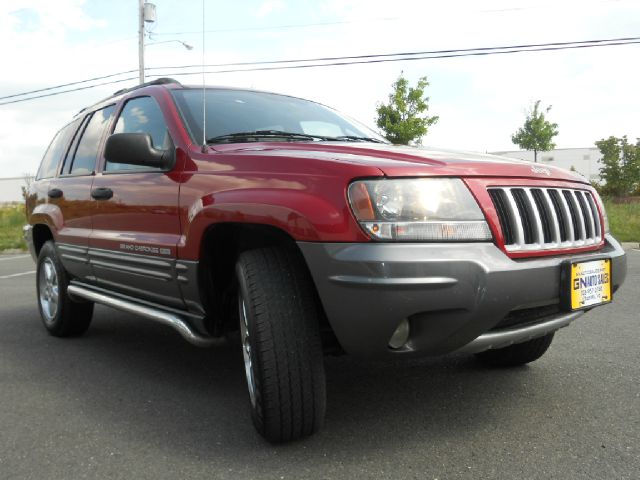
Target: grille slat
{"x":586,"y":214}
{"x":525,"y":214}
{"x":555,"y":222}
{"x":568,"y":218}
{"x":499,"y":201}
{"x":540,"y":219}
{"x":576,"y":215}
{"x":512,"y":211}
{"x":543,"y":218}
{"x":558,"y":206}
{"x":595,"y":214}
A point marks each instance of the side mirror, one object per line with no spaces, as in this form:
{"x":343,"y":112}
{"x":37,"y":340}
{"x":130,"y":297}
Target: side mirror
{"x":137,"y":149}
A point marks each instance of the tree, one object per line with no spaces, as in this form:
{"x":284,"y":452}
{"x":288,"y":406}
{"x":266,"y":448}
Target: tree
{"x":537,"y":132}
{"x":621,"y":166}
{"x":28,"y":180}
{"x":404,"y":118}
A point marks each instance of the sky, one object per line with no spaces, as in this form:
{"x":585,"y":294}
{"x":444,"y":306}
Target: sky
{"x":481,"y":101}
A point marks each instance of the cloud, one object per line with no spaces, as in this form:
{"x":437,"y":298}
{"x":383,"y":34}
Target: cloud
{"x":37,"y":52}
{"x":480,"y":101}
{"x":50,"y":17}
{"x":269,"y":6}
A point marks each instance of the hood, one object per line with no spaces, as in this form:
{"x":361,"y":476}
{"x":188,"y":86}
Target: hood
{"x":405,"y":161}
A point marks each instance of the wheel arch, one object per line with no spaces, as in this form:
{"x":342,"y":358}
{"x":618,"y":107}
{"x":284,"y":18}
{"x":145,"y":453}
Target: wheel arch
{"x":221,"y":246}
{"x":45,"y":220}
{"x":41,"y":233}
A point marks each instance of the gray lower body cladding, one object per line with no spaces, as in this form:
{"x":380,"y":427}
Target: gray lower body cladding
{"x":450,"y":293}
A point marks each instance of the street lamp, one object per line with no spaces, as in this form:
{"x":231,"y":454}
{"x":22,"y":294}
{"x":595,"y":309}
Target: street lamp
{"x":147,"y":14}
{"x":184,"y":44}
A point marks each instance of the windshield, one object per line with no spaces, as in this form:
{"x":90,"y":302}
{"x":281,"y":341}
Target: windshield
{"x":235,"y":111}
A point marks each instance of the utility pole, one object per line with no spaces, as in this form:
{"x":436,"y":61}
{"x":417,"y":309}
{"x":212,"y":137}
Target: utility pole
{"x":141,"y":39}
{"x":146,"y":13}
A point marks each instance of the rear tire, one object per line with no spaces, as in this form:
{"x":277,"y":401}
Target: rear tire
{"x":61,"y":316}
{"x":282,"y":351}
{"x":517,"y":354}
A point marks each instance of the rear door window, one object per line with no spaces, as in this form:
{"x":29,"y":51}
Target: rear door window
{"x":142,"y":115}
{"x":57,"y":149}
{"x":84,"y":157}
{"x":66,"y":163}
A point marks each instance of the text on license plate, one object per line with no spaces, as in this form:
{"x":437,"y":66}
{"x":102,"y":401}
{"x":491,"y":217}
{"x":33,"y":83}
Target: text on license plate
{"x":590,"y":283}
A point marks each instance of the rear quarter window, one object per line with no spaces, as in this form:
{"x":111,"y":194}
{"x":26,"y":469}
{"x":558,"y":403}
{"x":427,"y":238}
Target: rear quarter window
{"x":55,"y":152}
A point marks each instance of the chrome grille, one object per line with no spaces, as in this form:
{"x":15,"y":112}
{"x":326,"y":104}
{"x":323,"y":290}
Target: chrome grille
{"x":538,"y":218}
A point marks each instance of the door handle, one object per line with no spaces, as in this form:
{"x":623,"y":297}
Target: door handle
{"x":54,"y":193}
{"x":102,"y":193}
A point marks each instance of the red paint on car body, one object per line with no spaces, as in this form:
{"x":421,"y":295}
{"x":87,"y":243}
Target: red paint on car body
{"x":298,"y":187}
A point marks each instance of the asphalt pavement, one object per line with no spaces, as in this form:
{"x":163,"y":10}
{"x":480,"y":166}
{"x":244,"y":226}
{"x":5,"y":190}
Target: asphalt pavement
{"x":132,"y":400}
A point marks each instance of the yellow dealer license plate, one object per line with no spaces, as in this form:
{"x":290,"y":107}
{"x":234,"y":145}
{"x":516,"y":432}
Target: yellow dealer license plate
{"x":590,"y":283}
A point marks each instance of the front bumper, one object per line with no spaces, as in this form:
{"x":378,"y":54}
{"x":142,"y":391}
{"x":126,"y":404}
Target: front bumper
{"x":451,"y":294}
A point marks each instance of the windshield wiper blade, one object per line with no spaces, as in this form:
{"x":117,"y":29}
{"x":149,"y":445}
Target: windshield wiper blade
{"x":264,"y":134}
{"x":355,"y":138}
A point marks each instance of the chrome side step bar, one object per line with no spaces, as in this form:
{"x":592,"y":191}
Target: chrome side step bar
{"x":511,"y":336}
{"x":166,"y":318}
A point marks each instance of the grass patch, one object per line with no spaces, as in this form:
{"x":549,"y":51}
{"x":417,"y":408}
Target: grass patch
{"x":12,"y":218}
{"x":624,"y":220}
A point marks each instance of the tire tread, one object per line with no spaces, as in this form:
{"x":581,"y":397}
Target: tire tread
{"x":289,"y":362}
{"x":73,"y":318}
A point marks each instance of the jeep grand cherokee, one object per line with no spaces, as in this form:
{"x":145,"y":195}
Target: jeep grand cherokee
{"x":223,"y":210}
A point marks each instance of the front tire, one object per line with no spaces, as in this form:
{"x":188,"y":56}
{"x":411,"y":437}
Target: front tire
{"x":518,"y":354}
{"x":284,"y":365}
{"x":61,"y":316}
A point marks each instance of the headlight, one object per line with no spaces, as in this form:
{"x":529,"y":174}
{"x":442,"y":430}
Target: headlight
{"x":429,"y":209}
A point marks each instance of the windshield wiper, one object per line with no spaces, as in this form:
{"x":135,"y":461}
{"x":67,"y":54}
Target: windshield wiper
{"x":355,"y":138}
{"x":264,"y":134}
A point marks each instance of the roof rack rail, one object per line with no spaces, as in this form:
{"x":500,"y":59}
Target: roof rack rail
{"x":157,"y":81}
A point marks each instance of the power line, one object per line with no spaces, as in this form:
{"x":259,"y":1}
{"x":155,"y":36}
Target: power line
{"x":406,"y":54}
{"x":402,"y":59}
{"x":351,"y":22}
{"x":329,"y":59}
{"x":68,"y":85}
{"x":345,"y":60}
{"x":77,"y":89}
{"x":275,"y":27}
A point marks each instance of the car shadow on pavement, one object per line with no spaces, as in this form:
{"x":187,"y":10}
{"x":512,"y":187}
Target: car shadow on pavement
{"x":144,"y":385}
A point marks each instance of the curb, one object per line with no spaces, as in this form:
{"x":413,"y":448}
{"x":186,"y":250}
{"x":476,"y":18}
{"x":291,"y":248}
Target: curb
{"x":630,"y":245}
{"x":13,"y":251}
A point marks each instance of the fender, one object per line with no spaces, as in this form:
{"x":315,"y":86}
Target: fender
{"x":49,"y":215}
{"x":288,"y":205}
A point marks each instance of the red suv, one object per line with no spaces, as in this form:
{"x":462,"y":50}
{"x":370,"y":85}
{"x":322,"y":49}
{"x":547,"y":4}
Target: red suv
{"x":220,"y":210}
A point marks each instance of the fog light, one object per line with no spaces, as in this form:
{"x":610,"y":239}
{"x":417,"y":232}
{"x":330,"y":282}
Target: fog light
{"x":400,"y":336}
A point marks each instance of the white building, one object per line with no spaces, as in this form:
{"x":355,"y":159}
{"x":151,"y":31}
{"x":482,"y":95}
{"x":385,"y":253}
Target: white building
{"x":586,"y":161}
{"x":10,"y":190}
